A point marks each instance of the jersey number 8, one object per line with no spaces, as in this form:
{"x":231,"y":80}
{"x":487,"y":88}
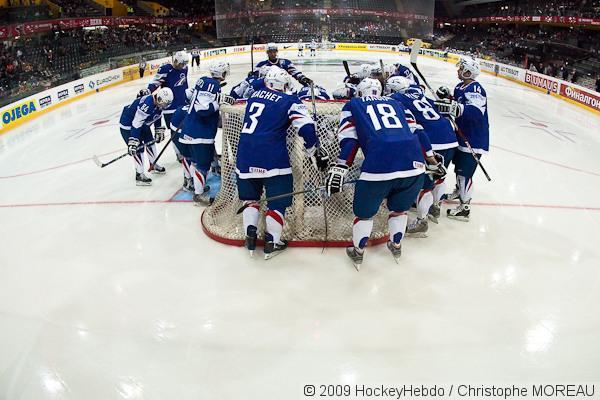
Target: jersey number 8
{"x":387,"y":115}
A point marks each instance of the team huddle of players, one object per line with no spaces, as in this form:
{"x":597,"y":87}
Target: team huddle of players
{"x":408,"y":140}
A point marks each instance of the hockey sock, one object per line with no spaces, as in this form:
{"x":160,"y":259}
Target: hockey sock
{"x":138,"y":161}
{"x":439,"y":189}
{"x":250,"y":215}
{"x":274,"y":221}
{"x":465,"y":188}
{"x":361,"y":231}
{"x":424,"y":201}
{"x":151,"y":150}
{"x":177,"y":152}
{"x":186,"y":168}
{"x":397,"y":225}
{"x":199,"y":178}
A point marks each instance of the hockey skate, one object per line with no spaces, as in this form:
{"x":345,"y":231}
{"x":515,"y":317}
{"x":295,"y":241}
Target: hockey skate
{"x":454,"y":195}
{"x":395,"y":249}
{"x":272,"y":249}
{"x":142,"y":180}
{"x":203,"y":199}
{"x":356,"y":256}
{"x":157,"y":169}
{"x":418,"y":228}
{"x":460,"y":213}
{"x":434,"y":213}
{"x":251,"y":240}
{"x":188,"y":185}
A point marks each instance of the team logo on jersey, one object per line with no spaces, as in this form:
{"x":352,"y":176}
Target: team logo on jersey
{"x":45,"y":101}
{"x":78,"y":89}
{"x":182,"y":79}
{"x":63,"y":94}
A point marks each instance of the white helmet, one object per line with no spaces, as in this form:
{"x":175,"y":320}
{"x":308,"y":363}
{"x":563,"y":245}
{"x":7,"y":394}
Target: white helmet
{"x":163,"y":97}
{"x":369,"y":87}
{"x":272,"y":46}
{"x":470,"y":65}
{"x":219,"y":69}
{"x":389,"y":70}
{"x":364,"y":71}
{"x":180,"y":58}
{"x":262,"y":72}
{"x":398,"y":84}
{"x":278,"y":79}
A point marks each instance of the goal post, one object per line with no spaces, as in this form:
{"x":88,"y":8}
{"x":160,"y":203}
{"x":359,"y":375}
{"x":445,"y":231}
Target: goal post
{"x":304,"y":221}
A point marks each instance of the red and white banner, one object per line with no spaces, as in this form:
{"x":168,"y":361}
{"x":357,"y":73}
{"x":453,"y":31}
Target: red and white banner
{"x":323,"y":11}
{"x":582,"y":96}
{"x":542,"y":81}
{"x":566,"y":21}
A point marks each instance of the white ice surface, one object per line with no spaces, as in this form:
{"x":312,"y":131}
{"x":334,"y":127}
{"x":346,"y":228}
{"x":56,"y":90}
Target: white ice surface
{"x":110,"y":291}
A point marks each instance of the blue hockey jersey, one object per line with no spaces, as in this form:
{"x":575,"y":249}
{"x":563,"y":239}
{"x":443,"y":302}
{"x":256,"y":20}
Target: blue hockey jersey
{"x":174,"y":79}
{"x":320,"y":93}
{"x":473,"y":122}
{"x":282,"y":63}
{"x":404,"y":71}
{"x":262,"y":149}
{"x":141,"y":112}
{"x":178,"y":117}
{"x":239,"y":90}
{"x":391,"y":141}
{"x":438,"y":129}
{"x":200,"y":126}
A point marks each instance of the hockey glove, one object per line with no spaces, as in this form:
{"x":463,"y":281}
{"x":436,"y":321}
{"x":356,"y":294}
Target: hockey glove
{"x":439,"y":158}
{"x":450,"y":108}
{"x":321,"y":159}
{"x":222,"y":98}
{"x":132,"y":146}
{"x":443,"y":92}
{"x":335,"y":178}
{"x":306,"y":81}
{"x":144,"y":92}
{"x":436,"y":171}
{"x":159,"y":134}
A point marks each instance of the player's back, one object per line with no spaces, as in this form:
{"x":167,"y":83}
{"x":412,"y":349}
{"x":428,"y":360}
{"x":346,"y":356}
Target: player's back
{"x":474,"y":121}
{"x":438,"y":129}
{"x":203,"y":113}
{"x":384,"y":134}
{"x":263,"y":137}
{"x":144,"y":103}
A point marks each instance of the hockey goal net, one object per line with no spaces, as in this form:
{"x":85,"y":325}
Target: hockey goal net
{"x":311,"y":214}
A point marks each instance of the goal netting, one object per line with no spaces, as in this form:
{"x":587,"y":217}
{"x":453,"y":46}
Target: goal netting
{"x":310,"y":214}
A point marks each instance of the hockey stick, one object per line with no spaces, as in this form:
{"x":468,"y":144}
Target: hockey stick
{"x":102,"y":165}
{"x":414,"y":53}
{"x":346,"y":68}
{"x":163,"y":149}
{"x":282,"y":196}
{"x":252,"y":55}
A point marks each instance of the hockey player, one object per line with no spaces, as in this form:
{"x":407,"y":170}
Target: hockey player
{"x":135,"y":123}
{"x":393,"y":168}
{"x":200,"y":126}
{"x":300,"y":48}
{"x":263,"y":161}
{"x":283,"y":63}
{"x":176,"y":123}
{"x":348,"y":91}
{"x":173,"y":76}
{"x":469,"y":107}
{"x":313,"y":48}
{"x":443,"y":142}
{"x":402,"y":70}
{"x":320,"y":93}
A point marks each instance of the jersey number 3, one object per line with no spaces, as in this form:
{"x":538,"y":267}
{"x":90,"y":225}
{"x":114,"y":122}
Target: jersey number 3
{"x":387,"y":115}
{"x":255,"y":111}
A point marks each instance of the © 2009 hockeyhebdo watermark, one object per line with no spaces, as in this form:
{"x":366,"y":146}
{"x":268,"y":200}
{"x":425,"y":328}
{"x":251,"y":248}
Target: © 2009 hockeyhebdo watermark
{"x":453,"y":391}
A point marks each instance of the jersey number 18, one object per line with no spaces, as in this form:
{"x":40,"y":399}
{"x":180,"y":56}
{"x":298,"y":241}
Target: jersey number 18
{"x":386,"y":114}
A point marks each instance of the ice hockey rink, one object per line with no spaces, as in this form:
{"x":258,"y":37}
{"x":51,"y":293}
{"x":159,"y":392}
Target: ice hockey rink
{"x":112,"y":291}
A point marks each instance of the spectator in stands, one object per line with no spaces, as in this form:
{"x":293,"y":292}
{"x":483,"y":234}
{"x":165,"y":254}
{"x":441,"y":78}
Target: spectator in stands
{"x":575,"y":76}
{"x":598,"y":83}
{"x":564,"y":72}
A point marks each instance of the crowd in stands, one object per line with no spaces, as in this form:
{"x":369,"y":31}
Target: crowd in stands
{"x":567,"y":53}
{"x":35,"y":62}
{"x":578,"y":8}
